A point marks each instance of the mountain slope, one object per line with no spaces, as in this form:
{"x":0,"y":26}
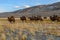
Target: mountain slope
{"x":43,"y":10}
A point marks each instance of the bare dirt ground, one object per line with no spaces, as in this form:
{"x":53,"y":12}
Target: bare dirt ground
{"x":29,"y":30}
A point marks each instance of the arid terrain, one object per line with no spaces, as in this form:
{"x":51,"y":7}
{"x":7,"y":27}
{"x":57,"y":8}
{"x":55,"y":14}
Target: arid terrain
{"x":29,"y":30}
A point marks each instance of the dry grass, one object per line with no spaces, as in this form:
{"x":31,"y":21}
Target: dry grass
{"x":21,"y":30}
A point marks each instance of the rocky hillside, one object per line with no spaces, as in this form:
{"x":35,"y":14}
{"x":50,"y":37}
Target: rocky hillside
{"x":43,"y":10}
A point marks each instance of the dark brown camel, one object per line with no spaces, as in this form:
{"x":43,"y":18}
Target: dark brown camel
{"x":23,"y":18}
{"x":55,"y":18}
{"x":11,"y":19}
{"x":35,"y":18}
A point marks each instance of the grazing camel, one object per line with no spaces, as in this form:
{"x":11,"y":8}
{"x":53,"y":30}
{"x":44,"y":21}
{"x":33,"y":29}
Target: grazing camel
{"x":11,"y":19}
{"x":55,"y":18}
{"x":23,"y":18}
{"x":35,"y":18}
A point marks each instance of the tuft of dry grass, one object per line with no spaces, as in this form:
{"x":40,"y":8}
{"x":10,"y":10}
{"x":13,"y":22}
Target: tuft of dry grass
{"x":27,"y":30}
